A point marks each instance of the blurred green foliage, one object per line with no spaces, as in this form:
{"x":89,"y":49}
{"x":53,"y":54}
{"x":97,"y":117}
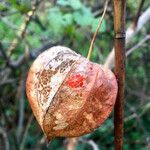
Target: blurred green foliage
{"x":72,"y":22}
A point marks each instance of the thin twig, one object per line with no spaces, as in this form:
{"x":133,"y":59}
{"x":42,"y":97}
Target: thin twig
{"x":38,"y":21}
{"x":139,"y":12}
{"x":91,"y":143}
{"x":21,"y":92}
{"x":96,"y":32}
{"x":26,"y":132}
{"x":8,"y":81}
{"x":23,"y":27}
{"x":3,"y":53}
{"x":72,"y":142}
{"x":5,"y":138}
{"x":32,"y":54}
{"x":137,"y":45}
{"x":41,"y":143}
{"x":138,"y":93}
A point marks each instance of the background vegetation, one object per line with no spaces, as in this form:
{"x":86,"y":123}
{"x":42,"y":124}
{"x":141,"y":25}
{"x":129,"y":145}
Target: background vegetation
{"x":29,"y":27}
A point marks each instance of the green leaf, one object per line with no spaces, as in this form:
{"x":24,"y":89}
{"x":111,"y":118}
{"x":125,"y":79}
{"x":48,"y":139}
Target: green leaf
{"x":83,"y":17}
{"x":63,"y":2}
{"x":75,"y":4}
{"x":55,"y":18}
{"x":58,"y":20}
{"x":67,"y":19}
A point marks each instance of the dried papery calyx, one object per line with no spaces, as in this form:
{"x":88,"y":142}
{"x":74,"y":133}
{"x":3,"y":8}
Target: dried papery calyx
{"x":69,"y":95}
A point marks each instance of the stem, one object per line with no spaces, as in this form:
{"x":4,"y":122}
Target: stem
{"x":119,"y":27}
{"x":139,"y":12}
{"x":22,"y":31}
{"x":96,"y":32}
{"x":72,"y":142}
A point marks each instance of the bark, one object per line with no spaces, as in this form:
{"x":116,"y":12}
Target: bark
{"x":119,"y":27}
